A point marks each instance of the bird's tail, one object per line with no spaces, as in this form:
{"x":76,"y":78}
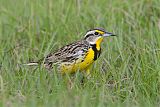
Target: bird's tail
{"x":35,"y":63}
{"x":32,"y":64}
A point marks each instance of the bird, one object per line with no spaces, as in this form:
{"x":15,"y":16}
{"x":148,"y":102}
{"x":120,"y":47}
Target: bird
{"x":76,"y":56}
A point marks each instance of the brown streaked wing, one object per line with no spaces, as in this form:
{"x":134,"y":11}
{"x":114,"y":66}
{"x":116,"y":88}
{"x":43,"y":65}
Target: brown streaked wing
{"x":69,"y":52}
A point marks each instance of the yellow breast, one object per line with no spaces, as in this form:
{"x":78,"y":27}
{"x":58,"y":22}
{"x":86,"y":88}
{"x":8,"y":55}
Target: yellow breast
{"x":79,"y":65}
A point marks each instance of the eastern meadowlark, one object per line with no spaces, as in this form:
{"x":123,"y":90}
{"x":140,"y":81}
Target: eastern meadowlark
{"x":77,"y":56}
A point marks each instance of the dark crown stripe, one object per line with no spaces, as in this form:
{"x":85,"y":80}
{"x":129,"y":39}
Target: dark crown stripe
{"x":100,"y":29}
{"x":88,"y":36}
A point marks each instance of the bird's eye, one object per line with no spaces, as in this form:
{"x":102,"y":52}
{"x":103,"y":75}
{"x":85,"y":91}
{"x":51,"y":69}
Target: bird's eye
{"x":96,"y":33}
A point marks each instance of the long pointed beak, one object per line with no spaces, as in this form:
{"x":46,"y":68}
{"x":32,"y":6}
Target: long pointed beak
{"x":108,"y":34}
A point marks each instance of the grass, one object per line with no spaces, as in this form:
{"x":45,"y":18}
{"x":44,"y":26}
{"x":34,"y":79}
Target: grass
{"x":126,"y":74}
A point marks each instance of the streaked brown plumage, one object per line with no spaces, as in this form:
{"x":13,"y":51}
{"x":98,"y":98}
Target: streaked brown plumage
{"x":78,"y":55}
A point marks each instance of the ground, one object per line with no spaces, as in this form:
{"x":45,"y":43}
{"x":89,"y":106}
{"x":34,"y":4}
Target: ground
{"x":126,"y":74}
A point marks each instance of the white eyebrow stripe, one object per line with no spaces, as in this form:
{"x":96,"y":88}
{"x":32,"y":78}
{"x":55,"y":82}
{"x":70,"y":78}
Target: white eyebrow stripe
{"x":90,"y":32}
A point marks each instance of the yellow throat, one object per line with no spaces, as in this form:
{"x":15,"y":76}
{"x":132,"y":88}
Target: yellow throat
{"x":98,"y":43}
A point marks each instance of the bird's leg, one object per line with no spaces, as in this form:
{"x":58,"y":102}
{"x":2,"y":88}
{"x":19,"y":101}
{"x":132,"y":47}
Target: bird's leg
{"x":87,"y":74}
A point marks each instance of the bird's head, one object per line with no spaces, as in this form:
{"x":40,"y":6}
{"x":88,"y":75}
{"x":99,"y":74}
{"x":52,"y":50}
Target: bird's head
{"x":95,"y":36}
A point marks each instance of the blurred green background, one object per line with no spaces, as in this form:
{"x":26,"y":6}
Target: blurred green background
{"x":126,"y":74}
